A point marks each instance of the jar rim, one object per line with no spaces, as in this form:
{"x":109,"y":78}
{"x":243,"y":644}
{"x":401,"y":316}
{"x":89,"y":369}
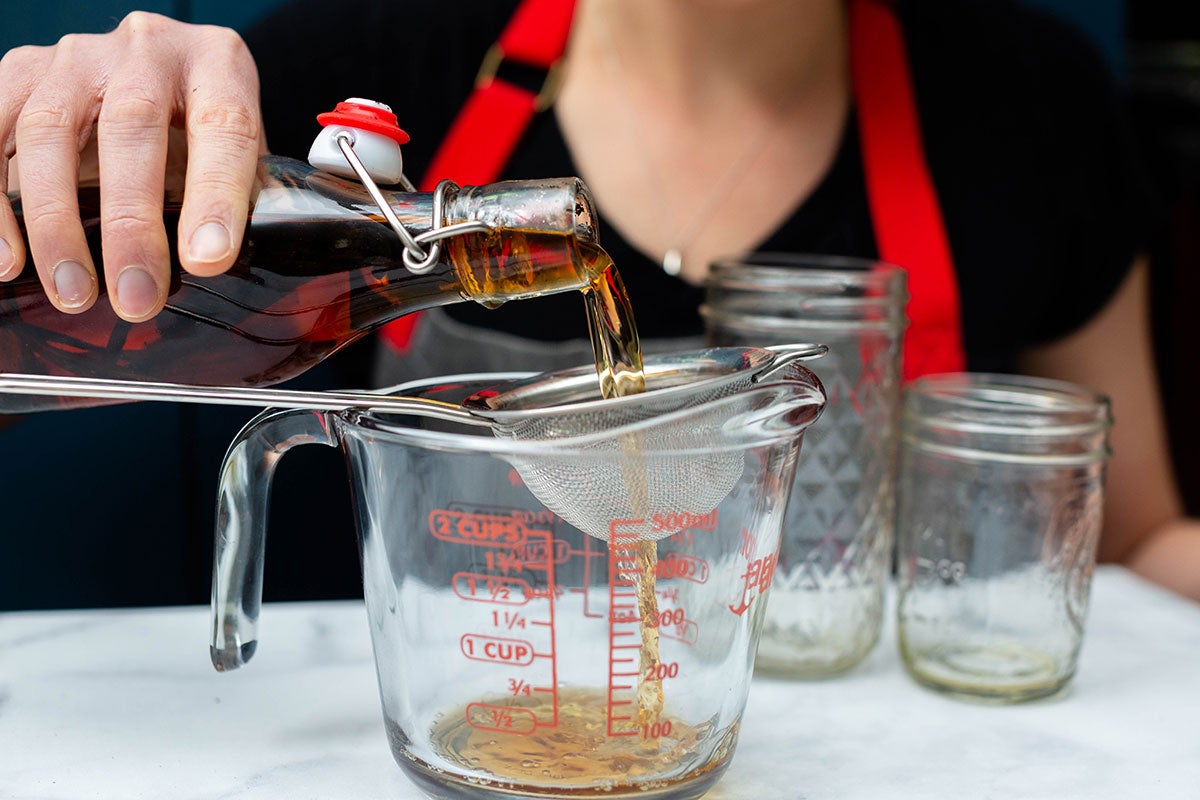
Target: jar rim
{"x":1001,"y":393}
{"x":1006,"y":418}
{"x":772,"y":270}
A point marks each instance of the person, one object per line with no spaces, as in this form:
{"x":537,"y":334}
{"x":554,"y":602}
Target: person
{"x":703,"y":128}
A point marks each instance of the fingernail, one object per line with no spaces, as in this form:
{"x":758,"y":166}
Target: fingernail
{"x":73,"y":283}
{"x":209,"y":242}
{"x":7,"y":259}
{"x":137,"y":293}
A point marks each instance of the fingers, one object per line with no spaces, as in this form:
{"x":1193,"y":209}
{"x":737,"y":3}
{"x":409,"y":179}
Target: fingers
{"x":129,"y":86}
{"x":18,"y":69}
{"x":224,"y":142}
{"x":54,"y":122}
{"x":135,"y":117}
{"x":12,"y":246}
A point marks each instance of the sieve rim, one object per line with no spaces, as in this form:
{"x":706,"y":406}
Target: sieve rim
{"x":739,"y":364}
{"x":801,"y":409}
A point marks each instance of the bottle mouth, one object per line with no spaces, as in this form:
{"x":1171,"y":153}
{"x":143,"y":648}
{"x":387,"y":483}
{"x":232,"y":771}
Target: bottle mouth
{"x":587,"y":223}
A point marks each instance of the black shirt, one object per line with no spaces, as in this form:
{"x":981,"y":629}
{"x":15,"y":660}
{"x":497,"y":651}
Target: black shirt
{"x":1022,"y":125}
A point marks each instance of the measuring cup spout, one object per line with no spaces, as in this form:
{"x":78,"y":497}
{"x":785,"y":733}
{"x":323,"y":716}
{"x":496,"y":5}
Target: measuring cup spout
{"x":242,"y":504}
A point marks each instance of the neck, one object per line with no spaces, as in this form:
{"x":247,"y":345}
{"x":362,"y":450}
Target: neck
{"x":698,"y":51}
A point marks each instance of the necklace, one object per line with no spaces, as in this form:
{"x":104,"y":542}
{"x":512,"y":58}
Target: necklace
{"x":686,"y":232}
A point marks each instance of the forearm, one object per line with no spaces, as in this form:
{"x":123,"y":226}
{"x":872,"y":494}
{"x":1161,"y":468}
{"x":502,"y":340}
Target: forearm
{"x":1170,"y":557}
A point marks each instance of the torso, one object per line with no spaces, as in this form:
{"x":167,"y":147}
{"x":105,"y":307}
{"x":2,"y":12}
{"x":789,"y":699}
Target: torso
{"x":1024,"y":146}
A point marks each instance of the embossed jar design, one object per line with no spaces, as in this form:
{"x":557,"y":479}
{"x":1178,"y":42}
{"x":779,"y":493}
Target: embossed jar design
{"x":826,"y":605}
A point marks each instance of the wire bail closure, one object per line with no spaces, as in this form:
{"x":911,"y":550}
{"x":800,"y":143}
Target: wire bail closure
{"x":372,"y":126}
{"x":417,"y":260}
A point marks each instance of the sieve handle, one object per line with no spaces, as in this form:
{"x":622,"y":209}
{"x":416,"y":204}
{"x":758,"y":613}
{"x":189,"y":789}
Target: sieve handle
{"x":788,"y":354}
{"x":105,"y":388}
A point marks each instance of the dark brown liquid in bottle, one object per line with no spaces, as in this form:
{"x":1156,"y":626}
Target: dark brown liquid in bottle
{"x":301,"y":288}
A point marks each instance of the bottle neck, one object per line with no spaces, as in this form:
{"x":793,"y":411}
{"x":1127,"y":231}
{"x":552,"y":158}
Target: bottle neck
{"x":541,"y":238}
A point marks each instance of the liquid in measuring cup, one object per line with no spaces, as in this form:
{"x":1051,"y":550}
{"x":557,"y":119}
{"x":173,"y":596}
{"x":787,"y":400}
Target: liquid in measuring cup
{"x":526,"y":729}
{"x":578,"y":751}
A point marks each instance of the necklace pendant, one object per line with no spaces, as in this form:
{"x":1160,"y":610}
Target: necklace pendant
{"x":672,"y":262}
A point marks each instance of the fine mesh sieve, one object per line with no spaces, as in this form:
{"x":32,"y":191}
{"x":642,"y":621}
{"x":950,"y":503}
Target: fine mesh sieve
{"x":623,"y":458}
{"x":666,"y":471}
{"x":670,"y":454}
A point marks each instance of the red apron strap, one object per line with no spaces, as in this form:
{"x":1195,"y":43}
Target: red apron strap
{"x":495,"y":116}
{"x":909,"y":230}
{"x":497,"y":113}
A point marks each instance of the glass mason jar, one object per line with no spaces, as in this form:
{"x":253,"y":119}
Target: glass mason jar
{"x":999,"y":516}
{"x":826,"y":607}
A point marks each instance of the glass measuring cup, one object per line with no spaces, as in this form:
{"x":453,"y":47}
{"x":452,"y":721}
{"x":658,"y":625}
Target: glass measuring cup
{"x":509,"y":645}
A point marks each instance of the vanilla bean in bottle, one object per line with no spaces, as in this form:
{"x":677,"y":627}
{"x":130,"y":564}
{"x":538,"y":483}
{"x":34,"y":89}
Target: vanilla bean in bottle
{"x":318,"y":269}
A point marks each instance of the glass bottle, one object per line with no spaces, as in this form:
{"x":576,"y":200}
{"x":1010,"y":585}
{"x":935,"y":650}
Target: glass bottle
{"x":318,"y":269}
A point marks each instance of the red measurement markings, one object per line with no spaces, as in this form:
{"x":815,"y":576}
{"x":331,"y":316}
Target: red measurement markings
{"x":668,"y":617}
{"x":536,"y":551}
{"x":587,"y":553}
{"x":553,"y":590}
{"x":661,"y":671}
{"x":686,"y":632}
{"x":749,"y":544}
{"x":541,"y":518}
{"x":680,"y":565}
{"x":504,"y":719}
{"x":684,"y":521}
{"x":673,"y":623}
{"x":505,"y":561}
{"x":509,"y":620}
{"x":535,"y":621}
{"x":487,"y":530}
{"x":624,"y":626}
{"x":755,"y":581}
{"x":493,"y":589}
{"x":515,"y":652}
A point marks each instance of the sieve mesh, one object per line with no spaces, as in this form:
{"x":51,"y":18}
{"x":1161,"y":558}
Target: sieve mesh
{"x":663,"y":471}
{"x":675,"y":460}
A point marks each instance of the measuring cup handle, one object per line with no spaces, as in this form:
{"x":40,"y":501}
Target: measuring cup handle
{"x":241,"y":531}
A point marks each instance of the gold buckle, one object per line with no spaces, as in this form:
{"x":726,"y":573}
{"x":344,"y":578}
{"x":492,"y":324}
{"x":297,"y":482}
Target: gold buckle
{"x":545,"y":96}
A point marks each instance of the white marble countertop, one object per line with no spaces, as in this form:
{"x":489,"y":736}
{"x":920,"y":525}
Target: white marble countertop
{"x":124,"y":704}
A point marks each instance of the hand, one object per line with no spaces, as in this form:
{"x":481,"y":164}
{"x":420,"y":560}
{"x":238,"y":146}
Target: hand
{"x":131,"y":93}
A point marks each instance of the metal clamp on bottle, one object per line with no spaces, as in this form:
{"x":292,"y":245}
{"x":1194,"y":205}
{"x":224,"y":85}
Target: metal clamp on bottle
{"x":366,"y":136}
